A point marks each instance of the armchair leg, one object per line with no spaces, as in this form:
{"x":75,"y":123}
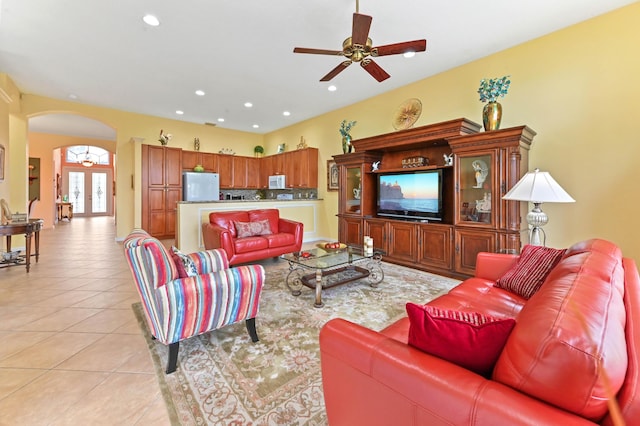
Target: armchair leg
{"x":251,"y":328}
{"x":173,"y":357}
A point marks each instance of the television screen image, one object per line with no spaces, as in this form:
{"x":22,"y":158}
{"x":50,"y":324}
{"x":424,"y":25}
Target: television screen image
{"x":411,"y":195}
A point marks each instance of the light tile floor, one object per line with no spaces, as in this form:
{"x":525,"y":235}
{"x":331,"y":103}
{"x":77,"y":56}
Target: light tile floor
{"x":71,"y":351}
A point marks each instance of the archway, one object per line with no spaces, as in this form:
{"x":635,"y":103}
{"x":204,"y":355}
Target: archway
{"x":50,"y":135}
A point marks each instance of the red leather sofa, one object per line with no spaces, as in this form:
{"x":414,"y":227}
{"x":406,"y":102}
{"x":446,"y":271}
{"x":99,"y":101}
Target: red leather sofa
{"x":574,"y":348}
{"x":285,"y":236}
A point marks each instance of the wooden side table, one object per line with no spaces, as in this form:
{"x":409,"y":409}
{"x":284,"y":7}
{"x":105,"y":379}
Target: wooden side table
{"x":61,"y":206}
{"x":33,"y":226}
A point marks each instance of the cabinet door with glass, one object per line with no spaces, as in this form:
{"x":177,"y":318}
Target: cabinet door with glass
{"x":476,"y":189}
{"x":352,"y":189}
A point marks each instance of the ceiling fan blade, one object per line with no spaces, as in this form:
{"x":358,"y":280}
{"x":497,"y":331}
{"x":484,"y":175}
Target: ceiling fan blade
{"x":407,"y":46}
{"x":337,"y":70}
{"x":361,"y":25}
{"x":317,"y":51}
{"x":375,"y":70}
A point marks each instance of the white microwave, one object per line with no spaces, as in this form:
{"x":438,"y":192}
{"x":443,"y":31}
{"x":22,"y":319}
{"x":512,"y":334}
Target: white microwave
{"x":277,"y":182}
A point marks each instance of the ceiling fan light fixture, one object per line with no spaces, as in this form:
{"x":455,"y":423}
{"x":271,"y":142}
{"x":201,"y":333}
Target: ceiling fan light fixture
{"x":409,"y":54}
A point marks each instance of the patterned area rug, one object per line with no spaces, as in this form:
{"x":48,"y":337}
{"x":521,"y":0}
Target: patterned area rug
{"x":223,"y":378}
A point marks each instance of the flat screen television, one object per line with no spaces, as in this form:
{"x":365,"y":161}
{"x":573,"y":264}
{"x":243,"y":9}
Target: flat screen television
{"x":411,"y":195}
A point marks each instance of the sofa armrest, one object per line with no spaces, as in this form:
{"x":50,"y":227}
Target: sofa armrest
{"x":371,"y":379}
{"x":292,"y":227}
{"x":492,"y":266}
{"x":215,"y":236}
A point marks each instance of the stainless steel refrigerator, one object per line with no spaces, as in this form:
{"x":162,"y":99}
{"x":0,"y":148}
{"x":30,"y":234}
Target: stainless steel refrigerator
{"x":200,"y":186}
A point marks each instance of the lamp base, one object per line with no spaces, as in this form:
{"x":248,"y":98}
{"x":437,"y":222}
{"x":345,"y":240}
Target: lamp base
{"x":536,"y":218}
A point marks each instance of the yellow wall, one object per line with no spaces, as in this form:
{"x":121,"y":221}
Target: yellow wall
{"x":579,"y":88}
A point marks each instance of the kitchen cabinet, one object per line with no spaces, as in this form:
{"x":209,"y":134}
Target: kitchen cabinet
{"x":225,"y":169}
{"x":161,"y":189}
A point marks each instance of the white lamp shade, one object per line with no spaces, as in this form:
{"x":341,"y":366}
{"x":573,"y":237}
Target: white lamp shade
{"x":538,"y":187}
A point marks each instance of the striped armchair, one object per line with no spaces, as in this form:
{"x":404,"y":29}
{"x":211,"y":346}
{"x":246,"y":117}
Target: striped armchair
{"x":177,"y":308}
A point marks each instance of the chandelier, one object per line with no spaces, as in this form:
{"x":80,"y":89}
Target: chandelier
{"x":87,"y":162}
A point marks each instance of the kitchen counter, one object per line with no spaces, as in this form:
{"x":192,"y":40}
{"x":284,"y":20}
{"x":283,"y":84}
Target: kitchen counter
{"x":192,"y":214}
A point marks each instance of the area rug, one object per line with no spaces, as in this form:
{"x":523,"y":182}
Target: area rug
{"x":225,"y":379}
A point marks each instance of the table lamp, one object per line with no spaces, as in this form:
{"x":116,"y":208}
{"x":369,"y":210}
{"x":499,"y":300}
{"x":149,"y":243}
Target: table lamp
{"x":538,"y":187}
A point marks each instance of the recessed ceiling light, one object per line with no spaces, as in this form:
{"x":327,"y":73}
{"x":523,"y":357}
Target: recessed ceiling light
{"x":151,"y":20}
{"x":200,"y":92}
{"x":220,"y":120}
{"x":179,"y":112}
{"x":255,"y":126}
{"x":286,"y":113}
{"x":332,"y":88}
{"x":248,"y":104}
{"x":73,"y":96}
{"x":409,"y":54}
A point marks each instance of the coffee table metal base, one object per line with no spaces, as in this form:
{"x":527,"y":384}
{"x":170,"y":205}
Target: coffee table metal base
{"x":299,"y":276}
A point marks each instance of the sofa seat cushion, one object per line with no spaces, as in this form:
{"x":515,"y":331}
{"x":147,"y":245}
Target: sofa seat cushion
{"x":468,"y":339}
{"x":227,"y":220}
{"x":280,"y":240}
{"x":250,"y":244}
{"x":568,"y":347}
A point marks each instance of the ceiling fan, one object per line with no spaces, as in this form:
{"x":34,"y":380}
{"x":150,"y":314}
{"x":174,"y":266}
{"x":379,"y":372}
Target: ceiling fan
{"x":359,"y":48}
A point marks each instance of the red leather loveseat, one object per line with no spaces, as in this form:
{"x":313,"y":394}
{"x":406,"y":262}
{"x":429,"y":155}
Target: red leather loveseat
{"x":250,"y":235}
{"x":575,"y":345}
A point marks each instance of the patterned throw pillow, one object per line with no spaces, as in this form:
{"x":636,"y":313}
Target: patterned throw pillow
{"x":526,"y":276}
{"x":468,"y":339}
{"x":250,"y":229}
{"x":185,"y":265}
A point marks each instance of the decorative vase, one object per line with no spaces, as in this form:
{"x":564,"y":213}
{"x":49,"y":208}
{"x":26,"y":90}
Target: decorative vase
{"x":346,"y":144}
{"x":491,"y":116}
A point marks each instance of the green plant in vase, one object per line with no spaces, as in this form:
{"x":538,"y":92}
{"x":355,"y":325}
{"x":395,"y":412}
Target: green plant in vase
{"x":258,"y":150}
{"x":345,"y":128}
{"x":490,"y":91}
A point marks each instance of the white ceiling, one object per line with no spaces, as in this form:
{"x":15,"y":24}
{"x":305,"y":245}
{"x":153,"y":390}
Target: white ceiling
{"x":102,"y":53}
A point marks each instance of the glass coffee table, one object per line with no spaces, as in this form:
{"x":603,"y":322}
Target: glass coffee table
{"x":320,"y":268}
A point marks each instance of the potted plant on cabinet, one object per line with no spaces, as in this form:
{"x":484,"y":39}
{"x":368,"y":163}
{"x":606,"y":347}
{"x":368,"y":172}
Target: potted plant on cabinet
{"x":258,"y":150}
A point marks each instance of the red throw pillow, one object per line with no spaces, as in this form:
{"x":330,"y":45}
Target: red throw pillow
{"x":250,"y":229}
{"x":526,"y":276}
{"x":468,"y":339}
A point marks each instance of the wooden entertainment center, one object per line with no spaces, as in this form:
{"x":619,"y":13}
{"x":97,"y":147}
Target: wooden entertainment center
{"x":475,"y":218}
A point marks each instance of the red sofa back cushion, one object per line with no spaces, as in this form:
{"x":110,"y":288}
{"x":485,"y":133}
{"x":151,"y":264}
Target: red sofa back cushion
{"x":568,"y":345}
{"x":272,"y":215}
{"x":227,"y":220}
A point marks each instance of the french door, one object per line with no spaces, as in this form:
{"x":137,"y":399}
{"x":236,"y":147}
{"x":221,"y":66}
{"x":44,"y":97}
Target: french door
{"x":90,"y":191}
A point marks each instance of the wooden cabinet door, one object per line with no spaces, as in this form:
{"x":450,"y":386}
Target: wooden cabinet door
{"x":402,"y":241}
{"x":434,"y":246}
{"x":377,"y":230}
{"x":239,"y":168}
{"x":468,"y":244}
{"x":173,"y":167}
{"x":190,"y":159}
{"x":292,"y":167}
{"x":225,"y":169}
{"x":210,"y":162}
{"x":253,"y":172}
{"x":350,"y":230}
{"x":266,"y":170}
{"x":305,"y":172}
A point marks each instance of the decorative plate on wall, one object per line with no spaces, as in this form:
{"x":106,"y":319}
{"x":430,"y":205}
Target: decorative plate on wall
{"x":407,"y":114}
